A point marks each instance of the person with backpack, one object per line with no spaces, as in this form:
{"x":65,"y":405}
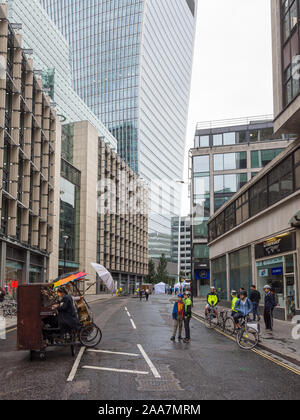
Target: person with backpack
{"x":243,"y":306}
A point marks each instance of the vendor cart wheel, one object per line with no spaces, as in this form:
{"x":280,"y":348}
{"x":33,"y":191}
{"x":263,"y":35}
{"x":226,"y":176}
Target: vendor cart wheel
{"x":42,"y":355}
{"x":90,"y":335}
{"x":31,"y":355}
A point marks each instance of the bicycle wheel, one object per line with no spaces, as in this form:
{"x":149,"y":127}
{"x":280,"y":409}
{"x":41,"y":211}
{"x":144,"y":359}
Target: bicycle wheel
{"x":247,"y":339}
{"x":229,"y":326}
{"x":90,"y":335}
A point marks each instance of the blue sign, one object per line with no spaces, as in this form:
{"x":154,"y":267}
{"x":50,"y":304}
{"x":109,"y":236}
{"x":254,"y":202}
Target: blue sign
{"x":277,"y":271}
{"x":202,"y":274}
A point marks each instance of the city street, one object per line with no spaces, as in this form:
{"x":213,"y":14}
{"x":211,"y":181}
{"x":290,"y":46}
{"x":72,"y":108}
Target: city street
{"x":137,"y":361}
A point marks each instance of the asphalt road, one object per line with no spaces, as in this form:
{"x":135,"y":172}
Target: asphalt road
{"x":210,"y":367}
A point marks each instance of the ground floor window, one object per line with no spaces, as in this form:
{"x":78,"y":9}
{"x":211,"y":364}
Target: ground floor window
{"x":35,"y":274}
{"x":13,"y":276}
{"x":280,"y":273}
{"x":241,"y":269}
{"x":218,"y":268}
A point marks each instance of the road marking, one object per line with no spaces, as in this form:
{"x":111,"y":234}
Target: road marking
{"x":259,"y":352}
{"x":76,"y":364}
{"x":133,"y":324}
{"x":116,"y":370}
{"x":125,"y":308}
{"x":148,"y":361}
{"x":113,"y":352}
{"x":13,"y":329}
{"x":128,"y":314}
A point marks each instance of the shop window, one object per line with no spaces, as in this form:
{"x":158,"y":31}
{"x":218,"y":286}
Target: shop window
{"x":219,"y":276}
{"x":241,"y":269}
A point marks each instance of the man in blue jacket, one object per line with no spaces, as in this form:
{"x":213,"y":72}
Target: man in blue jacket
{"x":269,"y":307}
{"x":243,"y":306}
{"x":177,"y":314}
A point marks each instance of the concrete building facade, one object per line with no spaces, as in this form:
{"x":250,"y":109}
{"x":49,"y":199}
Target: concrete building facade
{"x":227,"y":154}
{"x":255,"y":239}
{"x":29,"y":167}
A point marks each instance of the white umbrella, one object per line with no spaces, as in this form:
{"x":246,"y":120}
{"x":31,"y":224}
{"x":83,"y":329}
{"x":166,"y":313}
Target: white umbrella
{"x":104,"y":275}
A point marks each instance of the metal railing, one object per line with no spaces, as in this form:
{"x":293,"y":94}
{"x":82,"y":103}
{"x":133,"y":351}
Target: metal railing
{"x":206,"y":125}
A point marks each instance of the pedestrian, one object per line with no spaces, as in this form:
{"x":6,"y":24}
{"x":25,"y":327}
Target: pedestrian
{"x":147,"y":293}
{"x":255,"y":298}
{"x":2,"y":295}
{"x":269,"y":307}
{"x":178,"y":314}
{"x":233,"y":302}
{"x":187,"y":316}
{"x":141,"y":294}
{"x":243,"y":307}
{"x":240,"y":291}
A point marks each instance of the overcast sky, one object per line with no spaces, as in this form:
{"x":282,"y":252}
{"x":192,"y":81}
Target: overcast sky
{"x":232,"y":72}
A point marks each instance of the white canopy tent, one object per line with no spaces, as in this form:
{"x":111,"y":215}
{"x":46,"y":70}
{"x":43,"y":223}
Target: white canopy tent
{"x":160,"y":288}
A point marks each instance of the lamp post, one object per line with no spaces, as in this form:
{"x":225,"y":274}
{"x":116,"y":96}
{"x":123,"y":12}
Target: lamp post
{"x":65,"y":238}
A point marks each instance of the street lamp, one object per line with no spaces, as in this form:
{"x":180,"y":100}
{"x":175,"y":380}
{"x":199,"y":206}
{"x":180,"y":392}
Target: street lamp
{"x":65,"y":238}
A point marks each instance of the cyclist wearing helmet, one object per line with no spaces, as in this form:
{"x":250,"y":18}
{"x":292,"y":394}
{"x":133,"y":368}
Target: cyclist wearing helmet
{"x":243,"y":306}
{"x":233,"y":302}
{"x":212,"y":301}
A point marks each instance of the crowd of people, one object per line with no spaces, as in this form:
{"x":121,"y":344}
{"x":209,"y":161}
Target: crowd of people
{"x":242,"y":306}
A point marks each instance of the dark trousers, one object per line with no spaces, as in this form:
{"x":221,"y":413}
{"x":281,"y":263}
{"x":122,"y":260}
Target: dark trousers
{"x":268,"y":317}
{"x":187,"y":327}
{"x":255,"y":311}
{"x":147,"y":297}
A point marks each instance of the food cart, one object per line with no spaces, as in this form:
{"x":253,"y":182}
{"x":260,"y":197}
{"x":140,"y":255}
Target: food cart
{"x":35,"y":332}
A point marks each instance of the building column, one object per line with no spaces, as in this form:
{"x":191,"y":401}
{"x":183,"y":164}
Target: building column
{"x":253,"y":263}
{"x":26,"y":268}
{"x":44,"y":271}
{"x":2,"y":263}
{"x":297,"y":279}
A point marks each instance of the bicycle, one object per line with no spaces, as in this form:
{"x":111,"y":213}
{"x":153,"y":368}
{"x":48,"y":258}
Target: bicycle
{"x":227,"y":323}
{"x":247,"y":335}
{"x":9,"y":308}
{"x":209,"y":318}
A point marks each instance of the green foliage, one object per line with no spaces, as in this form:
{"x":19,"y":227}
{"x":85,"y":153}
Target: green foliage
{"x":151,"y":277}
{"x":162,"y":272}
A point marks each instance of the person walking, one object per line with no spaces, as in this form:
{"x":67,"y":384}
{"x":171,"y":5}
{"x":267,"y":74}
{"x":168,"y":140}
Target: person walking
{"x":178,"y":314}
{"x":141,"y":294}
{"x":268,"y":308}
{"x":255,"y":298}
{"x":187,"y":316}
{"x":147,"y":293}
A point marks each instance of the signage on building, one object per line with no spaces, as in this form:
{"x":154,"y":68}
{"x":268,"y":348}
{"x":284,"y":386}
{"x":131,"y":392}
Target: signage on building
{"x":202,"y":274}
{"x":263,"y":273}
{"x":276,"y":245}
{"x":277,"y":271}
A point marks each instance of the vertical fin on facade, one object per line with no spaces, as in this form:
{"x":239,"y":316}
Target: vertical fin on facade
{"x":192,"y":6}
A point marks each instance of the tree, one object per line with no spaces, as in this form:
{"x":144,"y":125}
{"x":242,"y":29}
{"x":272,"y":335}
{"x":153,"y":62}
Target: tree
{"x":162,"y":272}
{"x":151,"y":276}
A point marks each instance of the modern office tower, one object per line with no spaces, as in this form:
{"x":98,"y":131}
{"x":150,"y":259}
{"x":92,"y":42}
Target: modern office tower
{"x":29,"y":143}
{"x":108,"y":224}
{"x":286,"y":75}
{"x":52,"y":57}
{"x":132,"y":64}
{"x":181,"y":244}
{"x":226,"y":155}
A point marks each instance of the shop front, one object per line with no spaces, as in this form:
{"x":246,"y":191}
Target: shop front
{"x":276,"y":265}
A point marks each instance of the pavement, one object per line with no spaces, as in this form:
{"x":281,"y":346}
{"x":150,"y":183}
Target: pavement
{"x":280,"y":342}
{"x":136,"y":360}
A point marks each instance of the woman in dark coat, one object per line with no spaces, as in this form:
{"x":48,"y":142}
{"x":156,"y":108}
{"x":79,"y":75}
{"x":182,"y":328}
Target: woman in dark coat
{"x":67,"y":317}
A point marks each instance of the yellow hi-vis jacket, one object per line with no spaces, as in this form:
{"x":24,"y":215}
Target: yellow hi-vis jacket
{"x":234,"y":299}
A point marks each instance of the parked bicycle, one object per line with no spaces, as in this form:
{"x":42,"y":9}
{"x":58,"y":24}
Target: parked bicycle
{"x":212,"y":318}
{"x":9,"y":308}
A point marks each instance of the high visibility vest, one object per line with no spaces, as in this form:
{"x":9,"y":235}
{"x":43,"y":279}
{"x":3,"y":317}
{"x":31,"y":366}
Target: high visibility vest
{"x":234,"y":299}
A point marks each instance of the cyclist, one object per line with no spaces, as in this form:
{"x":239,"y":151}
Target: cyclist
{"x":243,"y":306}
{"x":212,"y":301}
{"x":233,"y":302}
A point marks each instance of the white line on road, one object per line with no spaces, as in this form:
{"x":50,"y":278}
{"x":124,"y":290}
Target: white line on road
{"x":128,"y":314}
{"x":76,"y":364}
{"x":125,"y":308}
{"x":133,"y":324}
{"x":150,"y":364}
{"x":114,"y":352}
{"x":116,"y":370}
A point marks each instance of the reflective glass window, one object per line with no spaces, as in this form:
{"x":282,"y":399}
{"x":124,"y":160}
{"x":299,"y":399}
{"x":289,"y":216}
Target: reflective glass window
{"x":218,"y":140}
{"x":201,"y":163}
{"x":228,"y":138}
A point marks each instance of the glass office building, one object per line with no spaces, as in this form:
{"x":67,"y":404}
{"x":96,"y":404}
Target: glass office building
{"x":52,"y":58}
{"x":132,"y":66}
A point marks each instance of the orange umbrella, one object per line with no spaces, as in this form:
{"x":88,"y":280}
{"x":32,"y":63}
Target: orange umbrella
{"x":66,"y":280}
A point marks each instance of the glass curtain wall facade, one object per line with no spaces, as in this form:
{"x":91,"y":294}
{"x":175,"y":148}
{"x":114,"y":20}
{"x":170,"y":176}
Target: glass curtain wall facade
{"x":118,"y":47}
